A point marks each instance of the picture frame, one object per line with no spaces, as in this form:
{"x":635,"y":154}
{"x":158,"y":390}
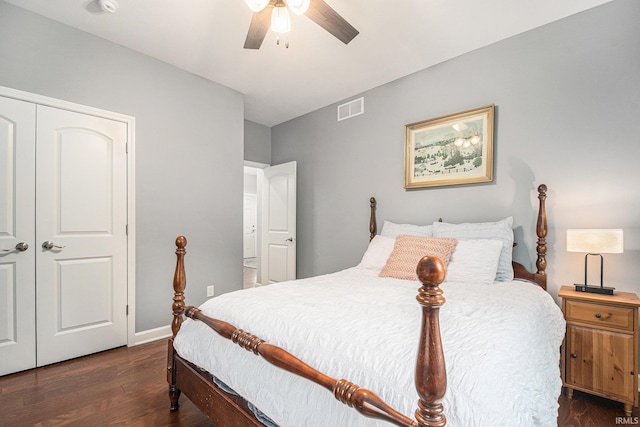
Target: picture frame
{"x":450,"y":150}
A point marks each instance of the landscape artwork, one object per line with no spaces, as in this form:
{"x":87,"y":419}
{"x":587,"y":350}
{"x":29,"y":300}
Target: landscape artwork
{"x":450,"y":150}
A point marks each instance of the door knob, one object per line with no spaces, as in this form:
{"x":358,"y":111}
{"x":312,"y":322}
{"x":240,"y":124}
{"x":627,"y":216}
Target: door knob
{"x":50,"y":245}
{"x":20,"y":247}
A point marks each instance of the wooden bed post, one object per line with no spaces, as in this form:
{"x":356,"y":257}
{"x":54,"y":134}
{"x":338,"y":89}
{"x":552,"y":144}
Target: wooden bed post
{"x":372,"y":219}
{"x":431,"y":374}
{"x":179,"y":285}
{"x":519,"y":271}
{"x":541,"y":230}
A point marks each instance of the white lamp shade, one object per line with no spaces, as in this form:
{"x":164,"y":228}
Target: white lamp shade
{"x":257,"y":5}
{"x":595,"y":241}
{"x":280,"y":22}
{"x":299,"y":7}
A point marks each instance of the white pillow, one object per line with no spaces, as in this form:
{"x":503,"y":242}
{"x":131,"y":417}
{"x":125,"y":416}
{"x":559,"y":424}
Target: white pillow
{"x":377,"y":253}
{"x":391,"y":229}
{"x":474,"y":261}
{"x":499,"y":230}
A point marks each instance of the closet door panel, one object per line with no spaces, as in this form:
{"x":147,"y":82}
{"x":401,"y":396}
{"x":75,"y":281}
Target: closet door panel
{"x":17,"y":236}
{"x":81,"y":212}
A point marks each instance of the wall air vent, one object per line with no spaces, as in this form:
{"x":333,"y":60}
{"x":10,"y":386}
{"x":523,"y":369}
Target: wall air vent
{"x":351,"y":109}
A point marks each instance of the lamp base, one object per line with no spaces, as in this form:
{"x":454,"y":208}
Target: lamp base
{"x":594,"y":289}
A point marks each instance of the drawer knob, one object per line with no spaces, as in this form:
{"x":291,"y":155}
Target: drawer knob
{"x":600,"y":317}
{"x":574,"y":356}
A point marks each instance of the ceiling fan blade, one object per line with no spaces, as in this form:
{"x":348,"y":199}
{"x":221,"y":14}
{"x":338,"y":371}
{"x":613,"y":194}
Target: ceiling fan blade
{"x":322,"y":14}
{"x":260,"y":23}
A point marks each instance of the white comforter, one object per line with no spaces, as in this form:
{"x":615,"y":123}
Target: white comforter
{"x":501,"y":345}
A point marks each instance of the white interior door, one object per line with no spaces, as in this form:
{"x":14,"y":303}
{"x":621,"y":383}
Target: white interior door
{"x":249,"y":219}
{"x":278,"y":224}
{"x":81,"y":212}
{"x":17,"y":236}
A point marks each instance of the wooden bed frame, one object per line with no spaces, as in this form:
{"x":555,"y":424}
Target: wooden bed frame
{"x":228,"y":410}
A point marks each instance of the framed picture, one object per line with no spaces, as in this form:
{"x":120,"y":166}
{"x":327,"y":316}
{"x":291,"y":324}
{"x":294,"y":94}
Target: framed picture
{"x":450,"y":150}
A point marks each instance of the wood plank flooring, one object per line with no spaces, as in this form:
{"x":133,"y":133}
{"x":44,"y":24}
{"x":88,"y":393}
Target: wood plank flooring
{"x":124,"y":387}
{"x":127,"y":387}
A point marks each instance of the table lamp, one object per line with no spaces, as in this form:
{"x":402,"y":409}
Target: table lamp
{"x":595,"y":242}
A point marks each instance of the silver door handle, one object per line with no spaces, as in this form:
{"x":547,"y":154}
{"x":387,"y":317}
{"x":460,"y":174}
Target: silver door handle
{"x":50,"y":245}
{"x":20,"y":247}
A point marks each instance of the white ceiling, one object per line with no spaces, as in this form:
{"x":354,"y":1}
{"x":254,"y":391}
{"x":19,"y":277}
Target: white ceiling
{"x":397,"y":38}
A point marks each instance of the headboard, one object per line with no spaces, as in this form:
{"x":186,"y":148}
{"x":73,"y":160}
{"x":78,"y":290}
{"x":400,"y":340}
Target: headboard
{"x":519,"y":271}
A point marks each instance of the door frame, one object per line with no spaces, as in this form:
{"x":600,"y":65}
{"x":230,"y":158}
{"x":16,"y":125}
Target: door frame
{"x":131,"y":234}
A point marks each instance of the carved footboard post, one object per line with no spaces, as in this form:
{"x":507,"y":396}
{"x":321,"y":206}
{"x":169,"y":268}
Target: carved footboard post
{"x":431,"y":375}
{"x":372,"y":219}
{"x":179,"y":285}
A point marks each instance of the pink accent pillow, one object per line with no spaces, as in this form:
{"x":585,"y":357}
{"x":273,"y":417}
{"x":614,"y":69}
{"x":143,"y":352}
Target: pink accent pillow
{"x":408,"y":250}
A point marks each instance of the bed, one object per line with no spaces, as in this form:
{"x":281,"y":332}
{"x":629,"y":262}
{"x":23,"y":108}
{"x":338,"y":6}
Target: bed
{"x":278,"y":354}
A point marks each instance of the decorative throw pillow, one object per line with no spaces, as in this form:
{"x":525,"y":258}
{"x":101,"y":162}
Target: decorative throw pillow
{"x":499,"y":230}
{"x":391,"y":229}
{"x":474,"y":261}
{"x":377,"y":253}
{"x":408,"y":250}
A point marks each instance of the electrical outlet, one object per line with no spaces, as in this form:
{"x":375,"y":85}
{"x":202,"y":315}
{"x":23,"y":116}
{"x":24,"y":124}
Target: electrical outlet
{"x":210,"y":291}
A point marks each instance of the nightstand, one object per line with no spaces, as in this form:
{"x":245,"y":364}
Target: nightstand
{"x":600,"y":349}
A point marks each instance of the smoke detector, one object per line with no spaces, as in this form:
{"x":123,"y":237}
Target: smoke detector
{"x":110,"y":6}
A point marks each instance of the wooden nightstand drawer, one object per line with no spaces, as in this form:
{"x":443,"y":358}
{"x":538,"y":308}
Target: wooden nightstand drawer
{"x":600,"y":314}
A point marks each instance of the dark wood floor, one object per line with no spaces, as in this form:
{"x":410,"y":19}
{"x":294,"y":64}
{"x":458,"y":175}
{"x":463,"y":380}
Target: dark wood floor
{"x":127,"y":387}
{"x":585,"y":410}
{"x":124,"y":387}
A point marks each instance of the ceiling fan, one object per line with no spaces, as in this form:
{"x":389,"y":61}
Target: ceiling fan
{"x":274,"y":14}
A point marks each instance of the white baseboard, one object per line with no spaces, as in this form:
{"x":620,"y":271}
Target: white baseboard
{"x":151,"y":335}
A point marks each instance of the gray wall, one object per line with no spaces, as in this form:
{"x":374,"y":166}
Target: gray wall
{"x":189,"y":149}
{"x":567,"y":99}
{"x":257,"y":142}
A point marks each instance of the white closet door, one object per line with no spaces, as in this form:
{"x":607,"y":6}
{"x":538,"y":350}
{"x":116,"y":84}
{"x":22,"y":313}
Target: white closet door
{"x":17,"y":210}
{"x":81,"y":211}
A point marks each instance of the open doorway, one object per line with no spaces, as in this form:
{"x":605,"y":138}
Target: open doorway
{"x":250,"y":227}
{"x":269,"y":217}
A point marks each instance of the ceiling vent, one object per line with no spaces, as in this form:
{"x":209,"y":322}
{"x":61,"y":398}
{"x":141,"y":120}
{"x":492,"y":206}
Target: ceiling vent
{"x":351,"y":109}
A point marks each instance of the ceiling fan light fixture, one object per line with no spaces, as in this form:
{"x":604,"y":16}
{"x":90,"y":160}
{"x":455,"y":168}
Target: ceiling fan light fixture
{"x":299,"y":7}
{"x":280,"y":22}
{"x":257,"y":5}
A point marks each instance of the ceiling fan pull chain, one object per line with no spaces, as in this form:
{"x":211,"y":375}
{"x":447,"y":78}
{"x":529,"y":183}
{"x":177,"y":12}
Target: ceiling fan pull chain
{"x":286,"y":41}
